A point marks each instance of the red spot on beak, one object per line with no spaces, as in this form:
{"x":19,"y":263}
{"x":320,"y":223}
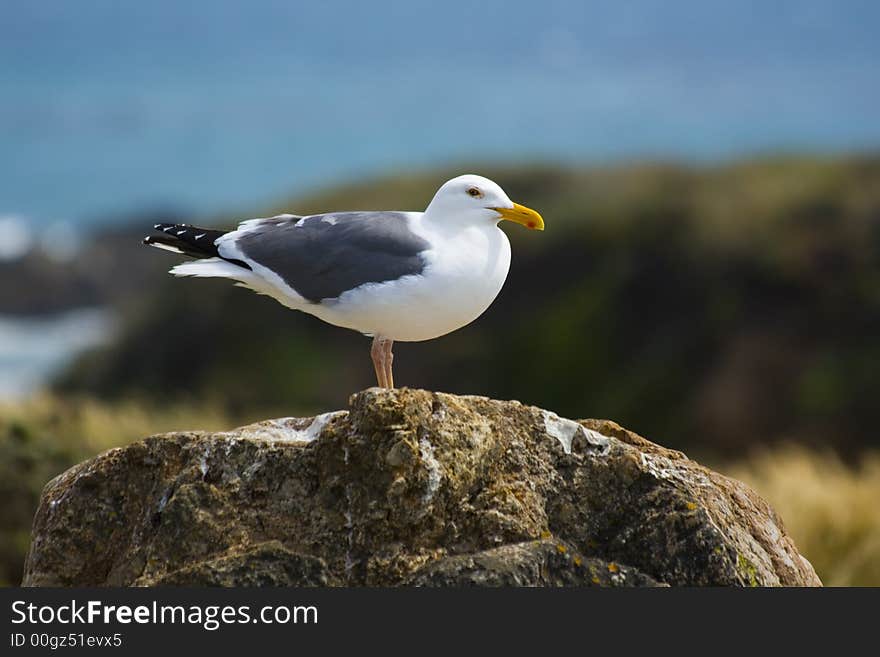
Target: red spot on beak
{"x":531,"y":224}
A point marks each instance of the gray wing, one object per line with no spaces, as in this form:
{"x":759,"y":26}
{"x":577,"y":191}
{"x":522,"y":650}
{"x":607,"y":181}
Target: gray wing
{"x":321,"y":256}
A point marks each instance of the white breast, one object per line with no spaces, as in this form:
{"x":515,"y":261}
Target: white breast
{"x":465,"y":270}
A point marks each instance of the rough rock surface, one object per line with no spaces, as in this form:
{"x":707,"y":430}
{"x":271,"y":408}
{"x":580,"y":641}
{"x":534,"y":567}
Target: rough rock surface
{"x":408,"y":487}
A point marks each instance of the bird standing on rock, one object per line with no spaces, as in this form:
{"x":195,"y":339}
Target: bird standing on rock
{"x":407,"y":276}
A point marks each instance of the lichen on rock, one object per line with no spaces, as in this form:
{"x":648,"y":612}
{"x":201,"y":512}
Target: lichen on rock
{"x":407,"y":487}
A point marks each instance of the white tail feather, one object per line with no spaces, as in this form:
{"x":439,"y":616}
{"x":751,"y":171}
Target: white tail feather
{"x":211,"y":268}
{"x":219,"y":268}
{"x":166,"y":247}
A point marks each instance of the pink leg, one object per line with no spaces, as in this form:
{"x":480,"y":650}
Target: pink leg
{"x":381,"y":355}
{"x":389,"y":359}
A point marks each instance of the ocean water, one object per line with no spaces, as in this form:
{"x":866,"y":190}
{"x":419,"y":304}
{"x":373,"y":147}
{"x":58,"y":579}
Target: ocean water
{"x":214,"y":106}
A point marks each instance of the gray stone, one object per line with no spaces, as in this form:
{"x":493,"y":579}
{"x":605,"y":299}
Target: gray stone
{"x":408,"y":487}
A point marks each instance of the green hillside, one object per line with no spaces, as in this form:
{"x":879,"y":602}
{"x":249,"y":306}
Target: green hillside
{"x":708,"y":308}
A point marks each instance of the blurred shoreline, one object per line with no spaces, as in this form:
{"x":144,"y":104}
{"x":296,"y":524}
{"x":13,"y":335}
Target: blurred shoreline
{"x":706,"y":298}
{"x":32,"y":349}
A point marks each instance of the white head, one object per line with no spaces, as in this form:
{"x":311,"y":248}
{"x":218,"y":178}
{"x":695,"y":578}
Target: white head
{"x":474,"y":199}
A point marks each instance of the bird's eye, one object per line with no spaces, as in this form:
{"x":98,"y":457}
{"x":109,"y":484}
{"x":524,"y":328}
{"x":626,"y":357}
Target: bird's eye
{"x":473,"y":191}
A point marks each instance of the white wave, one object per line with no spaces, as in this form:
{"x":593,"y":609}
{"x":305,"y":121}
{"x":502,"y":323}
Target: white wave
{"x":16,"y":237}
{"x":34,"y":348}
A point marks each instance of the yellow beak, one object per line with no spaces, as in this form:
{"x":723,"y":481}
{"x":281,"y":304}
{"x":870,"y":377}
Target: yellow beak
{"x":522,"y":215}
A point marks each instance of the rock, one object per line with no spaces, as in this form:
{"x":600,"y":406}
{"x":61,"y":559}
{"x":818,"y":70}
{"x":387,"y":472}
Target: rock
{"x":408,"y":487}
{"x":545,"y":562}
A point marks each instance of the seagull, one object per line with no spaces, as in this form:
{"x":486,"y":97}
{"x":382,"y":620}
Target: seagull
{"x":393,"y":276}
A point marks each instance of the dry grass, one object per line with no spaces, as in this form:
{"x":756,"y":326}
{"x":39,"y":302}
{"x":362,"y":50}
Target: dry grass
{"x":93,"y":426}
{"x":831,"y":509}
{"x":43,"y":436}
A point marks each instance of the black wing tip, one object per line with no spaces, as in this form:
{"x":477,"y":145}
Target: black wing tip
{"x":158,"y":241}
{"x":187,"y":239}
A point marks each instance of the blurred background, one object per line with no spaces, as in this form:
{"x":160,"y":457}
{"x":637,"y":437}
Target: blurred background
{"x":709,"y":173}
